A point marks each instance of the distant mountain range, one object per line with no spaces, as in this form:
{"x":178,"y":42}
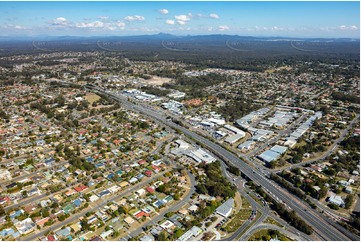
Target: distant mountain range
{"x":167,"y":46}
{"x":165,"y":36}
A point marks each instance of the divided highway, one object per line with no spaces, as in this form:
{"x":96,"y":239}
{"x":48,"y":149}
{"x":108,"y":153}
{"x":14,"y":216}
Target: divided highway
{"x":324,"y":227}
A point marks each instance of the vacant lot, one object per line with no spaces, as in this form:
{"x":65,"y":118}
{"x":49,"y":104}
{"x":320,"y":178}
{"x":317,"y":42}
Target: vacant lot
{"x":158,"y":81}
{"x":91,"y":97}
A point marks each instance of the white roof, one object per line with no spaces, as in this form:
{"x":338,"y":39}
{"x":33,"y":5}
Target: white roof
{"x":234,"y":138}
{"x":217,"y":121}
{"x":234,"y":129}
{"x":226,"y":207}
{"x":246,"y":144}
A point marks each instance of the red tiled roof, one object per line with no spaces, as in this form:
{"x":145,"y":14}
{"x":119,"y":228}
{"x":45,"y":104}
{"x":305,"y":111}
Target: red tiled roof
{"x":51,"y":238}
{"x":150,"y":190}
{"x":141,"y":214}
{"x":80,"y":188}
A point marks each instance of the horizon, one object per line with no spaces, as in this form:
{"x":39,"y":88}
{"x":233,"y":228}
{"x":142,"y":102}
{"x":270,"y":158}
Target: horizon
{"x":28,"y":37}
{"x":256,"y":19}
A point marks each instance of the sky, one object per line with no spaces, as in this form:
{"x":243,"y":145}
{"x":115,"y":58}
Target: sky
{"x":288,"y":19}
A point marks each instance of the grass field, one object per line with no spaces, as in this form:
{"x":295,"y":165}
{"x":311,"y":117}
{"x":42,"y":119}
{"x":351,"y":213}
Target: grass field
{"x":91,"y":97}
{"x":263,"y":235}
{"x":239,"y":218}
{"x":272,"y":221}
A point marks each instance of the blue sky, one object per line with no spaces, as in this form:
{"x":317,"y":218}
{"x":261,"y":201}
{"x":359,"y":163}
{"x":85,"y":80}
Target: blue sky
{"x":291,"y":19}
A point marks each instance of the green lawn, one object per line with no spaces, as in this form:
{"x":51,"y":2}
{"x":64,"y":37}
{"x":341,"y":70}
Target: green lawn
{"x":239,"y":218}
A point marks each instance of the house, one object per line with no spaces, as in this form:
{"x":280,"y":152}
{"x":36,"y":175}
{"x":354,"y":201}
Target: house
{"x":77,"y":202}
{"x":25,"y":226}
{"x":193,"y":232}
{"x":193,"y":208}
{"x":41,"y":222}
{"x":76,"y":227}
{"x":123,"y":184}
{"x":150,"y":189}
{"x":51,"y":237}
{"x":5,"y":175}
{"x":30,"y":208}
{"x":158,"y":203}
{"x":5,"y":200}
{"x":148,"y":173}
{"x":105,"y":234}
{"x":45,"y":203}
{"x":80,"y":188}
{"x":167,"y":225}
{"x":114,"y":189}
{"x":344,"y":183}
{"x":156,"y":168}
{"x":316,"y":168}
{"x":93,"y":198}
{"x":140,"y":192}
{"x":206,"y":197}
{"x":70,"y":192}
{"x":183,"y":211}
{"x":63,"y":233}
{"x":337,"y":200}
{"x":348,"y":190}
{"x":129,"y":220}
{"x":96,"y":238}
{"x":140,"y":214}
{"x":133,"y":180}
{"x":104,"y":193}
{"x":147,"y":238}
{"x":167,"y":199}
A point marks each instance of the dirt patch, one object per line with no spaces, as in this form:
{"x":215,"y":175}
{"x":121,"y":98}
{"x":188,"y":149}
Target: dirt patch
{"x":91,"y":97}
{"x":278,"y":69}
{"x":158,"y":81}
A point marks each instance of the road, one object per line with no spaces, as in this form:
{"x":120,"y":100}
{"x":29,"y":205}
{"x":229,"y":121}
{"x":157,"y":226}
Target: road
{"x":160,"y":216}
{"x":261,"y":226}
{"x":323,"y":226}
{"x":75,"y":217}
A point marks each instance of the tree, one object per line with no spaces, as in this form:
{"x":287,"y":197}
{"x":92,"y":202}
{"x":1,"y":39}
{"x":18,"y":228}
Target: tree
{"x":333,"y":206}
{"x":163,"y":236}
{"x":2,"y":211}
{"x":323,"y":192}
{"x":348,"y":201}
{"x":178,"y":233}
{"x":234,"y":170}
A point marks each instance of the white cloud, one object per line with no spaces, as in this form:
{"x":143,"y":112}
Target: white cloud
{"x":223,"y":27}
{"x":276,"y":28}
{"x":169,"y":21}
{"x":214,"y":16}
{"x":182,"y":18}
{"x":181,"y":22}
{"x":134,"y":18}
{"x":96,"y":24}
{"x":59,"y":21}
{"x":120,"y":25}
{"x":163,"y":11}
{"x":18,"y":27}
{"x":103,"y":17}
{"x":344,"y":27}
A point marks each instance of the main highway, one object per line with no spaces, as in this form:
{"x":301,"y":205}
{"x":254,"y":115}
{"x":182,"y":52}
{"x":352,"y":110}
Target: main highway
{"x":325,"y":228}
